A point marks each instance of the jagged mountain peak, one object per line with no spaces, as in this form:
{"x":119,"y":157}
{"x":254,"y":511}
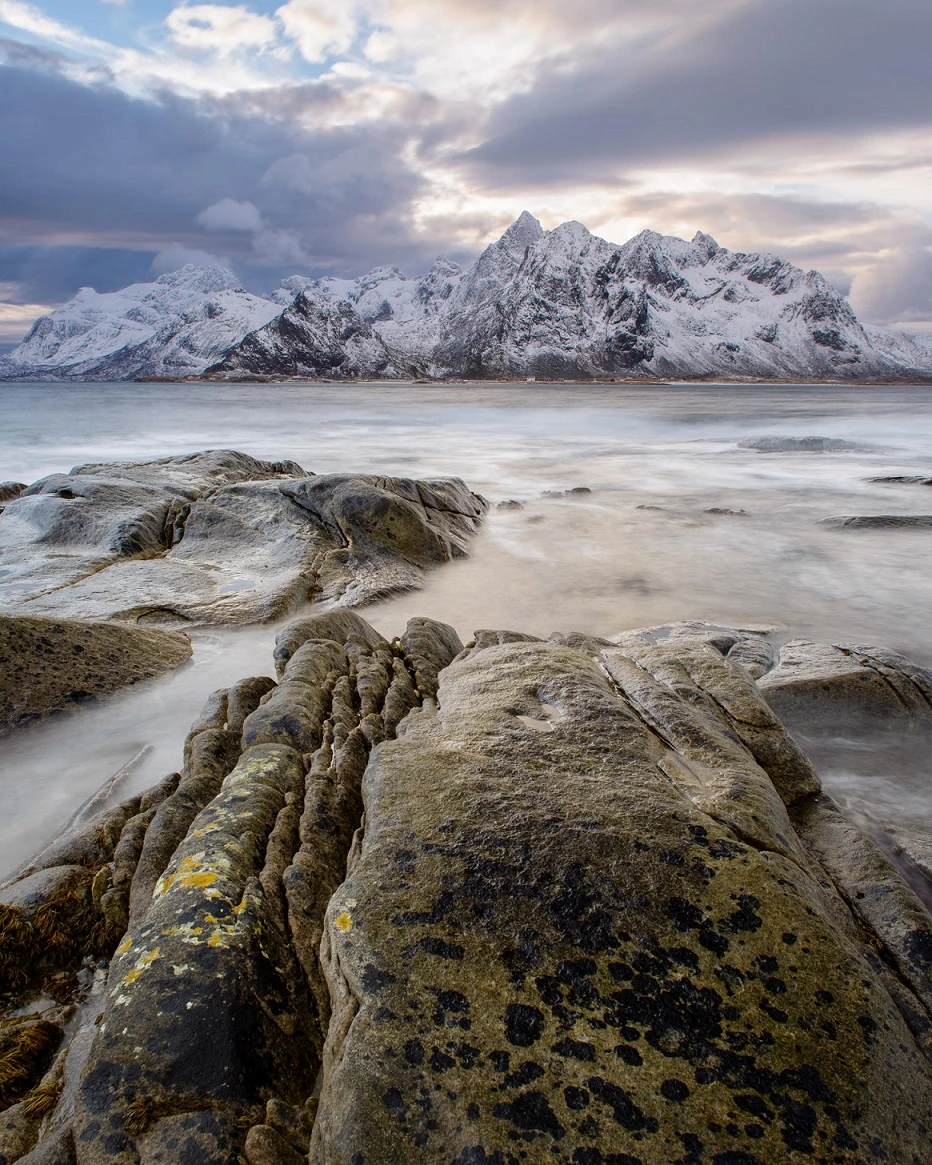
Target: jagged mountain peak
{"x":705,"y":245}
{"x":523,"y":232}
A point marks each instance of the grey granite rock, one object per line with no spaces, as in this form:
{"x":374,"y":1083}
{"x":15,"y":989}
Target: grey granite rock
{"x":221,"y":537}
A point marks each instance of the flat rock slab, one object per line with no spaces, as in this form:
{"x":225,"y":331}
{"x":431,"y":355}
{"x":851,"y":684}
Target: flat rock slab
{"x":50,"y":665}
{"x":805,"y":445}
{"x":221,"y":537}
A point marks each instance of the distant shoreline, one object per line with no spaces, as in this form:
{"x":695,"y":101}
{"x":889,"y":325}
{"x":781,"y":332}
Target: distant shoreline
{"x":634,"y":381}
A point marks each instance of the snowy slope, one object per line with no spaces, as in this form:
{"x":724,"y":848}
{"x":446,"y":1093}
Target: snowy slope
{"x":176,"y":326}
{"x":560,"y":303}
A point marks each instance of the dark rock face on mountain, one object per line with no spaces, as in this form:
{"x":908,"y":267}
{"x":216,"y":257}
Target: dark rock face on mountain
{"x":568,"y":901}
{"x":220,"y":537}
{"x":51,"y":665}
{"x":550,"y":304}
{"x":311,"y":338}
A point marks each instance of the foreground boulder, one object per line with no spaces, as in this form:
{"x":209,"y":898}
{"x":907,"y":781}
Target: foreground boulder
{"x":50,"y":665}
{"x":569,"y":901}
{"x":221,"y":537}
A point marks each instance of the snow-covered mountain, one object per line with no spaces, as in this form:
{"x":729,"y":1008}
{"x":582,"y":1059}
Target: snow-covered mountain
{"x":560,"y":303}
{"x":564,"y":303}
{"x":176,"y":326}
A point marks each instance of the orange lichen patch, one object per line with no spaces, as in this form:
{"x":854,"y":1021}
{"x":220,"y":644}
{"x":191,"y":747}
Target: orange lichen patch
{"x":185,"y":931}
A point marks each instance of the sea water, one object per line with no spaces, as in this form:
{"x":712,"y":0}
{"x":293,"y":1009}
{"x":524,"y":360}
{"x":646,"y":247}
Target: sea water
{"x":681,"y":523}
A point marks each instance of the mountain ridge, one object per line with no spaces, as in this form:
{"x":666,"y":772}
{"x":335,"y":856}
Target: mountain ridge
{"x":558,"y":304}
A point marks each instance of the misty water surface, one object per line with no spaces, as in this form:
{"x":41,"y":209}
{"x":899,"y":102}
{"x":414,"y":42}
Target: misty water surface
{"x":641,"y":548}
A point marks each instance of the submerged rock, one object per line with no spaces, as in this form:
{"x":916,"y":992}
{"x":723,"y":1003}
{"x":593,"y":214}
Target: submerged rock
{"x":50,"y":665}
{"x":220,"y":537}
{"x":569,"y":901}
{"x":880,"y":522}
{"x":805,"y":445}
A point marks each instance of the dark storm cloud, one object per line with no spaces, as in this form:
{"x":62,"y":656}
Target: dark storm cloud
{"x":92,"y":181}
{"x":773,"y":68}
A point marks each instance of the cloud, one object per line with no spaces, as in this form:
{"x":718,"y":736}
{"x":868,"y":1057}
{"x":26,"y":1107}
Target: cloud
{"x":279,"y":248}
{"x":105,"y":182}
{"x":17,"y":318}
{"x":772,"y":68}
{"x":216,"y":28}
{"x":897,"y":289}
{"x":331,"y":136}
{"x":320,"y":28}
{"x":176,"y":256}
{"x":230,"y":215}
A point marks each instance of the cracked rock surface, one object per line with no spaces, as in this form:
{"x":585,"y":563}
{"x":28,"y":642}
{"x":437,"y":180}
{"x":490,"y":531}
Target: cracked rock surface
{"x":573,"y":901}
{"x":221,"y":537}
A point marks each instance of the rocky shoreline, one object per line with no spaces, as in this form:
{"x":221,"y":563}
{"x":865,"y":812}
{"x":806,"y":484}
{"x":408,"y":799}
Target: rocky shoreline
{"x":572,"y":900}
{"x":568,"y":900}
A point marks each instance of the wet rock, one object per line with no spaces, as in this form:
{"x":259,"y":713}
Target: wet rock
{"x":880,"y":522}
{"x":509,"y":504}
{"x":217,"y":1006}
{"x":9,"y":491}
{"x":913,"y":848}
{"x":820,"y":683}
{"x":902,"y":479}
{"x":220,"y":537}
{"x":29,"y":894}
{"x":57,"y":1149}
{"x":722,"y":511}
{"x":428,"y":647}
{"x":805,"y":445}
{"x":51,"y":665}
{"x":607,"y":939}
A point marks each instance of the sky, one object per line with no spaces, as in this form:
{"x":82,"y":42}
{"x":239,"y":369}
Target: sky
{"x":327,"y":137}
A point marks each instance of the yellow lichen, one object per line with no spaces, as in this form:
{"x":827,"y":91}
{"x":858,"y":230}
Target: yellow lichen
{"x":344,"y":922}
{"x":146,"y":959}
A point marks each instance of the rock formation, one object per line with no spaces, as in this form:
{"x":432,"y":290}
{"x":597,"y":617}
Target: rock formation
{"x":221,"y":537}
{"x":51,"y":665}
{"x":574,"y":901}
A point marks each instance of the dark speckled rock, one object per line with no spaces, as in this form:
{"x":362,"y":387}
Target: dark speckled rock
{"x":48,"y":665}
{"x":582,"y":928}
